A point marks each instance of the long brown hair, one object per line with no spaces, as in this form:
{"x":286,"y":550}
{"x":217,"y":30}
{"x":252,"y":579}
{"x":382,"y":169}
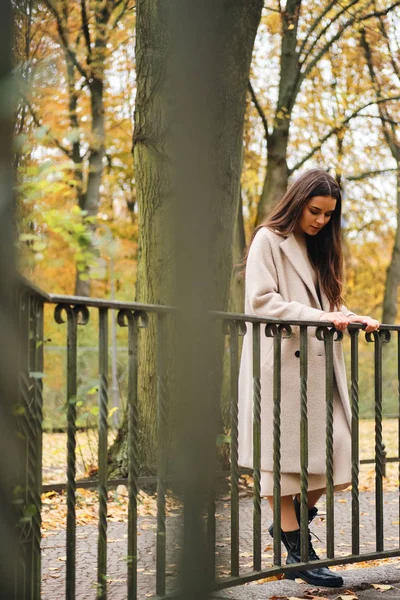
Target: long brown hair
{"x":325,"y":248}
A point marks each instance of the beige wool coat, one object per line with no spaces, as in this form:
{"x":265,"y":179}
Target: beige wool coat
{"x":279,"y":284}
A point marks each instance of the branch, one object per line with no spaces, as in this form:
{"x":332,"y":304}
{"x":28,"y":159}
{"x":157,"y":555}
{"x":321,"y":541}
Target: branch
{"x":367,"y":174}
{"x":345,"y":26}
{"x":275,"y":10}
{"x":259,"y":109}
{"x":85,"y":27}
{"x":338,"y":128}
{"x":64,"y":38}
{"x":389,"y":137}
{"x":121,"y":12}
{"x":391,"y":54}
{"x":315,"y":25}
{"x":385,"y":119}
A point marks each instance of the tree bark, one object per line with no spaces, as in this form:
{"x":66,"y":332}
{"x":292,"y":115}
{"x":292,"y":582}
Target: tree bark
{"x":277,"y":173}
{"x":390,"y":300}
{"x":238,"y":24}
{"x":389,"y":133}
{"x":236,"y":301}
{"x":90,"y":200}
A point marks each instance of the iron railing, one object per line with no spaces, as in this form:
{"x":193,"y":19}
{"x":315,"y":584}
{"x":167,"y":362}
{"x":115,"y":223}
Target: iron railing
{"x":75,"y":312}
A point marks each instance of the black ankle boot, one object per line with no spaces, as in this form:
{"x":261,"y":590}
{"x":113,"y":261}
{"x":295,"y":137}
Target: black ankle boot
{"x":312,"y":513}
{"x":320,"y":576}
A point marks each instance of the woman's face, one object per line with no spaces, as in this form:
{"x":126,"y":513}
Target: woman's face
{"x":316,"y":214}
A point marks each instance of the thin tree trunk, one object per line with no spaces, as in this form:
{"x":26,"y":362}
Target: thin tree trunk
{"x":238,"y":26}
{"x":389,"y":133}
{"x":277,"y":173}
{"x":390,"y":301}
{"x":236,"y":300}
{"x":90,"y":200}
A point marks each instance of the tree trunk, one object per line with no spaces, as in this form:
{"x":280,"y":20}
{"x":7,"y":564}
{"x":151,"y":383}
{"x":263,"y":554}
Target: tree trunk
{"x":389,"y":133}
{"x":90,"y":200}
{"x":236,"y":301}
{"x":277,"y":173}
{"x":276,"y":177}
{"x":390,"y":300}
{"x":238,"y":27}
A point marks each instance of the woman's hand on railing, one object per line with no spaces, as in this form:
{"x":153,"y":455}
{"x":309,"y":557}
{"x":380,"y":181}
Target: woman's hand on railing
{"x":337,"y":318}
{"x":371,"y":324}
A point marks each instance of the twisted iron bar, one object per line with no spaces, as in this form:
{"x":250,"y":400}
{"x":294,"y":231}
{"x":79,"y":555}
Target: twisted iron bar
{"x":162,"y":426}
{"x":234,"y":329}
{"x":73,"y":315}
{"x":256,"y":449}
{"x":379,"y":338}
{"x":303,"y":445}
{"x":277,"y":333}
{"x":355,"y":502}
{"x":29,"y":411}
{"x":398,"y":421}
{"x":133,"y":320}
{"x":328,"y":335}
{"x":102,"y":526}
{"x":102,"y":454}
{"x":28,"y":432}
{"x":37,"y":416}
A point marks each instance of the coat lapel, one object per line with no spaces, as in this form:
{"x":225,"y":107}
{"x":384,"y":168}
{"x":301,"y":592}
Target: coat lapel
{"x":294,"y":253}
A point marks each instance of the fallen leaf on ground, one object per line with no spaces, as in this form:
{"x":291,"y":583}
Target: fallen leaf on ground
{"x":381,"y":587}
{"x":267,"y":579}
{"x":303,"y":597}
{"x":347,"y":596}
{"x":308,"y":597}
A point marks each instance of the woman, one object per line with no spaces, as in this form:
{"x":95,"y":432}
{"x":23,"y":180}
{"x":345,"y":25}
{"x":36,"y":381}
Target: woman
{"x":294,"y":271}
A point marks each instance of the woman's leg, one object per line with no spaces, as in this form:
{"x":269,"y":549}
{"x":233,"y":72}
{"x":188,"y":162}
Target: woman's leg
{"x":312,"y":497}
{"x":288,"y":515}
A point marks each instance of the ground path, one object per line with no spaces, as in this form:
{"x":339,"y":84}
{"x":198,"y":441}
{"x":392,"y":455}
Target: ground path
{"x":53,"y":560}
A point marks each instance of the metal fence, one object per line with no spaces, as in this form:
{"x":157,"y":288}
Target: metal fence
{"x":75,"y":312}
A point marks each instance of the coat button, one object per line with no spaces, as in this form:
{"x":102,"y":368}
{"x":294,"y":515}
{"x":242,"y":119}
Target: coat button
{"x":297,"y":353}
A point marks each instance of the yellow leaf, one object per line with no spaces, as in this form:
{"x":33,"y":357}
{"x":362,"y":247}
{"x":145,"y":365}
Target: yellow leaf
{"x":381,"y":587}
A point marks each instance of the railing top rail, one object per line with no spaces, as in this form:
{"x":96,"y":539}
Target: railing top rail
{"x":269,"y":320}
{"x":23,"y":282}
{"x":112,"y":304}
{"x":159,"y":308}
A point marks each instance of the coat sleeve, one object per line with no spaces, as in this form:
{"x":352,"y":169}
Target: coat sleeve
{"x":346,"y":311}
{"x":262,"y":287}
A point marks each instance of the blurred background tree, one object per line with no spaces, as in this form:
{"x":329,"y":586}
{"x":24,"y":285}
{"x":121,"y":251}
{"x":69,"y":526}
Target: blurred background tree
{"x":323,"y":91}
